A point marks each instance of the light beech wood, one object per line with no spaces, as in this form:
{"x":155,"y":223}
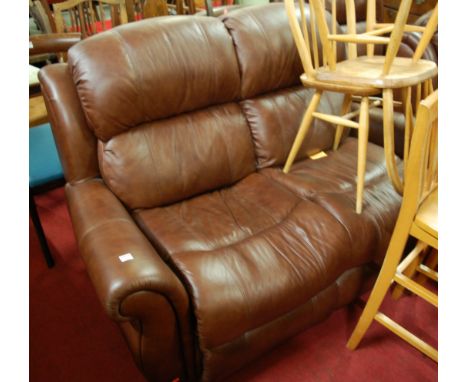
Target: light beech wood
{"x":366,"y":71}
{"x":428,"y":272}
{"x":408,"y":124}
{"x":359,"y":76}
{"x":336,"y":120}
{"x":416,"y":206}
{"x":406,"y":28}
{"x":363,"y":136}
{"x":427,"y":34}
{"x":339,"y":128}
{"x":431,"y":263}
{"x":409,"y":337}
{"x":370,"y":24}
{"x":37,"y":111}
{"x":303,"y":129}
{"x":389,"y":139}
{"x":417,"y":289}
{"x":359,"y":38}
{"x":409,"y":266}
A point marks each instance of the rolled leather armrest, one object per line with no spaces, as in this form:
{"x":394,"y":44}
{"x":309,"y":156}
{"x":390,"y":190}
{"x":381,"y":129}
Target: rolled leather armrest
{"x":143,"y":293}
{"x":105,"y":231}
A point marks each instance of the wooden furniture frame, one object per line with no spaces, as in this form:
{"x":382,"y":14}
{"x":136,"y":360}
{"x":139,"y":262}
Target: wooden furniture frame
{"x":41,"y":44}
{"x":363,"y":76}
{"x":154,"y":8}
{"x":84,"y":14}
{"x":418,"y":218}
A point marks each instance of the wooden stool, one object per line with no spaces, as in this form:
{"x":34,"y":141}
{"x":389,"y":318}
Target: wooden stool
{"x":364,"y":76}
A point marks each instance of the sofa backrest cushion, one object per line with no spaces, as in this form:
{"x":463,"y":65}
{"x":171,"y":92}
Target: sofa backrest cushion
{"x":274,"y":119}
{"x":160,"y":96}
{"x":267,"y":54}
{"x":167,"y":161}
{"x":153,"y":69}
{"x":273,"y":99}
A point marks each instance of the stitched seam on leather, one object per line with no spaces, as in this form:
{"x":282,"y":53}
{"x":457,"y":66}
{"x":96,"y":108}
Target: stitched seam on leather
{"x":221,"y":194}
{"x":248,"y":237}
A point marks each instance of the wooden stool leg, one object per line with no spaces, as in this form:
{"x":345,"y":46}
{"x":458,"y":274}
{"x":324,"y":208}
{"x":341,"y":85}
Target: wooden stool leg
{"x":363,"y":136}
{"x":389,"y":140}
{"x":339,"y":129}
{"x":303,"y":129}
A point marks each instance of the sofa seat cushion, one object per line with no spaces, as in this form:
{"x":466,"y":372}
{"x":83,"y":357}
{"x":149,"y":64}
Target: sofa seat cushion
{"x":330,"y":182}
{"x":263,"y":250}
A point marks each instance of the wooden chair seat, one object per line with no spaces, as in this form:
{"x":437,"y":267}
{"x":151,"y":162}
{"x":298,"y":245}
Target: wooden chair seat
{"x":367,"y":71}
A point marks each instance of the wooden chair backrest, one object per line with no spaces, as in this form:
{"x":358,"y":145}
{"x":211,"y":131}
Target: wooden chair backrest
{"x":306,"y":39}
{"x":85,"y":15}
{"x":143,"y":9}
{"x":421,"y":174}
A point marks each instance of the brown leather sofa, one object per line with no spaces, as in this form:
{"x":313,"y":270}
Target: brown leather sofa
{"x":172,"y":133}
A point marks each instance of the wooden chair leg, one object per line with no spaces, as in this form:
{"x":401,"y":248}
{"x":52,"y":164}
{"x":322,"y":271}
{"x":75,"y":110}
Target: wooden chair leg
{"x":339,"y":129}
{"x":363,"y":136}
{"x":303,"y":129}
{"x":40,"y":232}
{"x":387,"y":272}
{"x":389,"y":140}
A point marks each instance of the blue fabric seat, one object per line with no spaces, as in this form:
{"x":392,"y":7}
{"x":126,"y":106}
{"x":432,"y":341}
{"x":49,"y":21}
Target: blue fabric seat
{"x":44,"y":162}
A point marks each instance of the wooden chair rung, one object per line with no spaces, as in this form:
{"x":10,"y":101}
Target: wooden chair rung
{"x":417,"y":289}
{"x":359,"y":38}
{"x":409,"y":337}
{"x":406,"y":28}
{"x":425,"y":270}
{"x":342,"y":121}
{"x":417,"y":250}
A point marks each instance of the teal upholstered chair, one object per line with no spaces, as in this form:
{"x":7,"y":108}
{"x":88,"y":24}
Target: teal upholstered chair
{"x":45,"y":172}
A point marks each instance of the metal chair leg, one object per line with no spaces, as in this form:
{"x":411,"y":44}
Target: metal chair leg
{"x":40,"y":231}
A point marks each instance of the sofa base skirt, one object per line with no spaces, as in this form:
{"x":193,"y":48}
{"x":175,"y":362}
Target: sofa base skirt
{"x":224,"y":360}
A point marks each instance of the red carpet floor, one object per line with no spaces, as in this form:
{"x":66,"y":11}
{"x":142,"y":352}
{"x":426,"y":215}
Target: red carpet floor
{"x":71,"y":338}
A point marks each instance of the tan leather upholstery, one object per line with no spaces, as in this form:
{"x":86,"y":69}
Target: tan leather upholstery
{"x":172,"y":131}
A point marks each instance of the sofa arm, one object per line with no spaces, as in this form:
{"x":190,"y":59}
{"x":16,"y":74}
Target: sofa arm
{"x":143,"y":290}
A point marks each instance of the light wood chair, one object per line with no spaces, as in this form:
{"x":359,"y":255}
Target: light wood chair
{"x":419,"y":218}
{"x":364,"y":76}
{"x":89,"y":17}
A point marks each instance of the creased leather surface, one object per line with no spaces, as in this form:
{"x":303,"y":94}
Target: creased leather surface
{"x":274,"y":119}
{"x":156,"y":68}
{"x":330,"y":182}
{"x":248,"y":255}
{"x":266,"y":52}
{"x":76,"y":143}
{"x":167,"y":161}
